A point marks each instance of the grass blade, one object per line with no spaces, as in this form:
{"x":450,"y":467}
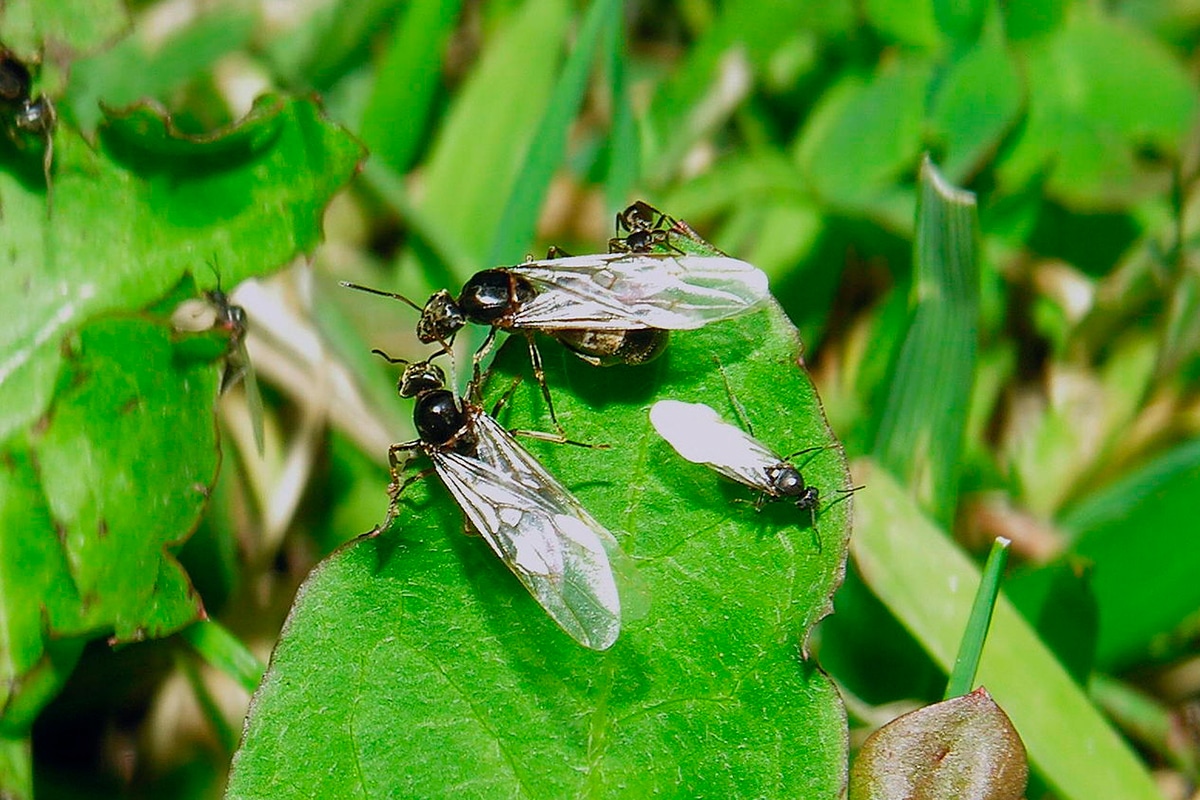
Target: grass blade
{"x":914,"y":569}
{"x":549,"y":143}
{"x":967,"y":661}
{"x":937,"y":359}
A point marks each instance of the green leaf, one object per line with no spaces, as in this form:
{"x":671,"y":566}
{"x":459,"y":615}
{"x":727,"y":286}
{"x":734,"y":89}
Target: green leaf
{"x":863,"y":134}
{"x":928,"y":582}
{"x":978,"y":101}
{"x":1098,"y":91}
{"x":1139,"y":535}
{"x":934,"y":366}
{"x":407,"y":650}
{"x":130,"y":71}
{"x":132,"y":215}
{"x":116,"y":474}
{"x":966,"y":663}
{"x":31,"y":26}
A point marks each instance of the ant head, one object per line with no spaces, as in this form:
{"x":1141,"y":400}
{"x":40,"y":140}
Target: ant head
{"x":786,"y":481}
{"x":808,"y":498}
{"x":420,"y":378}
{"x":441,"y":318}
{"x":639,"y":216}
{"x":15,"y":80}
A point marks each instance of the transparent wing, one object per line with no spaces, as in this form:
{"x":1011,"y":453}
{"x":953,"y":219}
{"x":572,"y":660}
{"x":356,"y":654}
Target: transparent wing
{"x":254,"y":401}
{"x":620,"y":291}
{"x":699,"y":434}
{"x":554,"y":547}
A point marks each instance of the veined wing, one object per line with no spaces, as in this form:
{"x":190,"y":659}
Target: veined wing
{"x":497,"y":447}
{"x":556,"y":553}
{"x":621,"y":291}
{"x":699,"y":434}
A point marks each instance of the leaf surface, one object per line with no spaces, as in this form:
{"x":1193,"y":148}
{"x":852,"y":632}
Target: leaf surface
{"x":415,"y":664}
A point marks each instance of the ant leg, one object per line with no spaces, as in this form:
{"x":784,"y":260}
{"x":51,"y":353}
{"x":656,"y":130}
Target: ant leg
{"x":474,"y":387}
{"x":396,"y":486}
{"x":738,"y":408}
{"x":556,"y":438}
{"x":539,"y":374}
{"x":507,"y":396}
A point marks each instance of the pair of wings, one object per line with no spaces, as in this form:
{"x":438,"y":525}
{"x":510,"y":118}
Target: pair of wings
{"x":699,"y":434}
{"x":562,"y":555}
{"x":621,"y":291}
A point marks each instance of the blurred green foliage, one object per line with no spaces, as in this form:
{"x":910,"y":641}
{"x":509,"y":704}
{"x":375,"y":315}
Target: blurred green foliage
{"x":1025,"y":366}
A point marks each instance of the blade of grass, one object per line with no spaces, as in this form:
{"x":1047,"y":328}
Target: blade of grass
{"x":549,"y":143}
{"x":966,"y":663}
{"x":449,"y":259}
{"x":483,"y":141}
{"x":223,"y":650}
{"x":921,"y":431}
{"x":624,"y":152}
{"x":923,"y":578}
{"x":16,"y":767}
{"x":225,"y":733}
{"x":402,"y":96}
{"x":1146,"y":721}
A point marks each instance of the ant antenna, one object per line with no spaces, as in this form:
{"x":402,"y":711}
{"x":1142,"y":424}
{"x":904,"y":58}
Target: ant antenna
{"x":388,"y":358}
{"x":381,"y":293}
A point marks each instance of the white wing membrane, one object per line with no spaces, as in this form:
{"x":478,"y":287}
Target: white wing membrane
{"x":620,"y":291}
{"x":556,"y":549}
{"x":699,"y":434}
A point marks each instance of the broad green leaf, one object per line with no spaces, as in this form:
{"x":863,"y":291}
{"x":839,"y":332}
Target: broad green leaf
{"x":929,"y":583}
{"x":132,"y":70}
{"x":414,"y":663}
{"x":863,"y":134}
{"x":77,"y":26}
{"x":960,"y":22}
{"x":117,"y":473}
{"x":125,"y":461}
{"x":1098,"y":91}
{"x":904,"y":21}
{"x":1139,"y":535}
{"x":132,"y":215}
{"x":934,"y":366}
{"x":977,"y":102}
{"x":393,"y":124}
